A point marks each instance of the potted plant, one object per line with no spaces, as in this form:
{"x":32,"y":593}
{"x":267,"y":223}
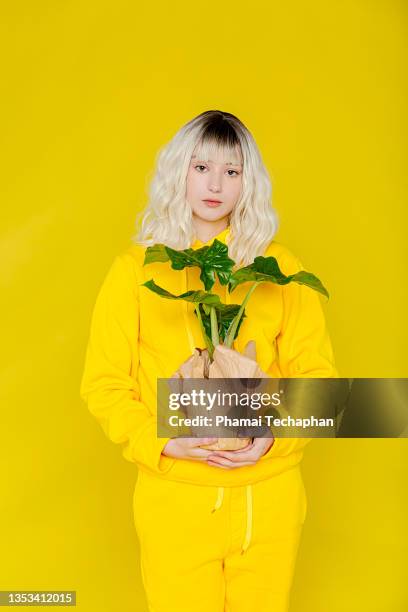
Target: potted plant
{"x":220,"y":323}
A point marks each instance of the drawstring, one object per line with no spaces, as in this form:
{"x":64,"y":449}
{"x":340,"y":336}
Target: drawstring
{"x":248,"y":530}
{"x":219,"y":499}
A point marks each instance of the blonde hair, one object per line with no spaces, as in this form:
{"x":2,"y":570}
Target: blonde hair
{"x":167,"y":218}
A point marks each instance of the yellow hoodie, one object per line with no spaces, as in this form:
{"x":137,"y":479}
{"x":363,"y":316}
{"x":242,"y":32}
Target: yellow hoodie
{"x":136,"y":337}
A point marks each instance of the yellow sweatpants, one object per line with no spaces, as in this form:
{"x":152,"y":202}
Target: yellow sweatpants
{"x":216,"y":549}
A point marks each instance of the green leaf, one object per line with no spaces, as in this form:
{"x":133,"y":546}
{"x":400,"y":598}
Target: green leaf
{"x":200,"y":297}
{"x":266,"y":269}
{"x":262,"y":269}
{"x":155,"y":253}
{"x":182,"y":259}
{"x":310,"y":280}
{"x":215,"y":260}
{"x":212,"y":260}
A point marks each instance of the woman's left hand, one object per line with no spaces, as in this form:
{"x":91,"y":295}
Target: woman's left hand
{"x":246,"y":456}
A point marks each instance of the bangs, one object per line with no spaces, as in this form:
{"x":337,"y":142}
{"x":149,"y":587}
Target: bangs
{"x":219,"y":140}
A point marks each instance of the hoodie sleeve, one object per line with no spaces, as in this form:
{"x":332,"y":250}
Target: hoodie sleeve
{"x":303,"y":344}
{"x":109,"y":382}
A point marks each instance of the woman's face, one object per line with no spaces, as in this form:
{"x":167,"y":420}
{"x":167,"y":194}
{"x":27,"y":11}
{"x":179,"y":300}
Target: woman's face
{"x":214,"y":186}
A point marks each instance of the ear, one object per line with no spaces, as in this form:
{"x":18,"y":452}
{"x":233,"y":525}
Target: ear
{"x":250,"y":350}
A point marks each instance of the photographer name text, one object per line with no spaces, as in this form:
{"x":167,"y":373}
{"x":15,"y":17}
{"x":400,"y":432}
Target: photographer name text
{"x":269,"y":420}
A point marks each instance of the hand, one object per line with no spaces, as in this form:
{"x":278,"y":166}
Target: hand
{"x":188,"y":448}
{"x":247,"y":456}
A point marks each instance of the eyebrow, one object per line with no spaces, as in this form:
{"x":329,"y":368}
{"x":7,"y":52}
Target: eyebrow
{"x":225,"y":164}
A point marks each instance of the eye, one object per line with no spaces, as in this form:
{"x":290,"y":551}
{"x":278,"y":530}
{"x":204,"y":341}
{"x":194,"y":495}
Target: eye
{"x":200,"y":166}
{"x":236,"y":173}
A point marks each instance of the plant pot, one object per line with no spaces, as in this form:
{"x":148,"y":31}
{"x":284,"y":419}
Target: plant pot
{"x":199,"y":365}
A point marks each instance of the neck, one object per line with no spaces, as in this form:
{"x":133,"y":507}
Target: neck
{"x":206,"y":230}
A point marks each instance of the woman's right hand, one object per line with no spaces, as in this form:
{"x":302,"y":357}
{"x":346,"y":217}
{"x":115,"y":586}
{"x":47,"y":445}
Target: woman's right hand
{"x":188,"y":448}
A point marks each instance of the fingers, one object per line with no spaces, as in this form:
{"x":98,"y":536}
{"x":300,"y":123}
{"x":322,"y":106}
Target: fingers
{"x":227,"y":464}
{"x":236,"y":457}
{"x":199,"y":453}
{"x":200,"y":459}
{"x":194,"y":451}
{"x":199,"y":441}
{"x":233,"y":459}
{"x":251,"y":454}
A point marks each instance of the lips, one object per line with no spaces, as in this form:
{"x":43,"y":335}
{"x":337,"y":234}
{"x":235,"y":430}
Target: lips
{"x":212,"y":203}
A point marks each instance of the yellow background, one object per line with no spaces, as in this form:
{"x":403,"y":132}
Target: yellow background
{"x":90,"y":91}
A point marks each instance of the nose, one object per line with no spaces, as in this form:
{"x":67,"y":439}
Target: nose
{"x":214,"y":182}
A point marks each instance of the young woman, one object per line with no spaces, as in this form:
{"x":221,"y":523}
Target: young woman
{"x":218,"y":530}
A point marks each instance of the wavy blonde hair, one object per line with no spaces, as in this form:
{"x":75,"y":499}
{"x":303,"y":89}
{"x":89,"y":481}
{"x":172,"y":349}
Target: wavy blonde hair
{"x":167,"y":218}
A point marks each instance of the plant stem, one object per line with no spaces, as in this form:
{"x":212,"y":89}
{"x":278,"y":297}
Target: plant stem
{"x":229,"y":339}
{"x":210,"y":348}
{"x":214,"y":326}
